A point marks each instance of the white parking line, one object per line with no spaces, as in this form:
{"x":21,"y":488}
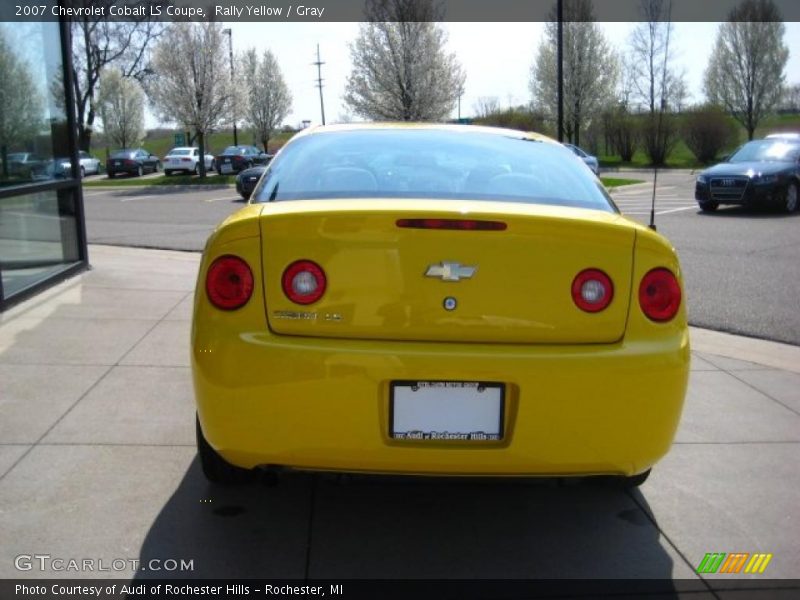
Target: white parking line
{"x":664,"y":212}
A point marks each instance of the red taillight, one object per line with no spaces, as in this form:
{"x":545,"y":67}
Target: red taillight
{"x":304,"y":282}
{"x":229,"y":282}
{"x":131,"y":163}
{"x":458,"y":224}
{"x":660,"y":295}
{"x":592,"y":290}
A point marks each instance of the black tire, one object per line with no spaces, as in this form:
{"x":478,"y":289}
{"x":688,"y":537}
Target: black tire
{"x":157,"y":167}
{"x":197,"y":169}
{"x":217,"y":469}
{"x":139,"y":171}
{"x":167,"y":172}
{"x":633,"y":481}
{"x":83,"y":172}
{"x":709,"y":206}
{"x":111,"y":174}
{"x":790,"y":201}
{"x":245,"y":195}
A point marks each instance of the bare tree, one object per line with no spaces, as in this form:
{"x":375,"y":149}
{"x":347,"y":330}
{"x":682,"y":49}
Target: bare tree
{"x":746,"y":71}
{"x":587,"y":88}
{"x":790,"y":100}
{"x":20,"y":102}
{"x":100,"y":42}
{"x":657,"y":85}
{"x":485,"y":106}
{"x":121,"y":105}
{"x":401,"y":69}
{"x":268,"y":98}
{"x":192,"y":83}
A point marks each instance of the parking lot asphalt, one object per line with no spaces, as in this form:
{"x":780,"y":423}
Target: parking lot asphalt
{"x":97,"y":460}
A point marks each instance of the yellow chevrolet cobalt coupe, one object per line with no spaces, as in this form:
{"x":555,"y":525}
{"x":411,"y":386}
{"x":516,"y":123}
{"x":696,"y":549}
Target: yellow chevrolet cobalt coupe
{"x":436,"y":300}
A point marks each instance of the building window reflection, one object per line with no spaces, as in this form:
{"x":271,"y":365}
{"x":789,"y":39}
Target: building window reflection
{"x":41,"y":216}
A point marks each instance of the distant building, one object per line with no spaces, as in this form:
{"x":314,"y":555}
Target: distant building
{"x":42,"y":228}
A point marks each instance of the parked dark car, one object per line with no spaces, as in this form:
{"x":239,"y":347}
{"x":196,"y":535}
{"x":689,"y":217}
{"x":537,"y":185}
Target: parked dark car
{"x":25,"y":164}
{"x":246,"y":180}
{"x":761,"y":172}
{"x":135,"y":161}
{"x":237,"y":158}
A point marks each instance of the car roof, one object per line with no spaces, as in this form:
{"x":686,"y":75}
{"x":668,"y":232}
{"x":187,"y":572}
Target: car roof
{"x":789,"y":135}
{"x":381,"y":126}
{"x":184,"y":148}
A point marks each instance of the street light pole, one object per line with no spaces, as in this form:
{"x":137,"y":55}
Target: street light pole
{"x":229,"y":33}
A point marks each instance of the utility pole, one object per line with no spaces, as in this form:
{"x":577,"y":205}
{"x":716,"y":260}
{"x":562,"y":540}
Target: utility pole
{"x":560,"y":12}
{"x":229,"y":33}
{"x":319,"y":64}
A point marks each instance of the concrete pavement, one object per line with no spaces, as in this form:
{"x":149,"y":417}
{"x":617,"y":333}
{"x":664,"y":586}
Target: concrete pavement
{"x":97,"y":461}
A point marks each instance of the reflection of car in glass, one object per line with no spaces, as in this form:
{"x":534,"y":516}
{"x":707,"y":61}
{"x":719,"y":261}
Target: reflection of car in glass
{"x":591,"y":161}
{"x":237,"y":158}
{"x":246,"y":180}
{"x":58,"y":168}
{"x":24,"y":164}
{"x":438,"y":300}
{"x":760,"y":172}
{"x":186,"y":159}
{"x":133,"y":162}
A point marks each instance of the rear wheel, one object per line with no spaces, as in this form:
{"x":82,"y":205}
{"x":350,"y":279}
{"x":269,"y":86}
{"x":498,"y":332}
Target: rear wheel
{"x":215,"y":468}
{"x":197,"y":169}
{"x":167,"y":172}
{"x":709,"y":206}
{"x":790,"y":198}
{"x":139,"y":171}
{"x":157,"y":167}
{"x":633,"y":481}
{"x":111,"y":174}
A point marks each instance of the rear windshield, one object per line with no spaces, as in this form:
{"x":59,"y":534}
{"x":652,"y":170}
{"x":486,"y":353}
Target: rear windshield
{"x":121,"y":153}
{"x":457,"y":164}
{"x":180,"y":152}
{"x":233,"y":150}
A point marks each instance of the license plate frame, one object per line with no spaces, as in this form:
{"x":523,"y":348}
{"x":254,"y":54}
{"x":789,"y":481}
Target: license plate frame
{"x":455,"y":411}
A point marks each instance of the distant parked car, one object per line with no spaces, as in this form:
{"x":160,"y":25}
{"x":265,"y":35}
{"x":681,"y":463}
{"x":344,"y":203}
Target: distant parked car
{"x":237,"y":158}
{"x":591,"y":161}
{"x":246,"y":180}
{"x":89,"y":165}
{"x":135,"y":161}
{"x":186,"y":159}
{"x":786,"y":135}
{"x":24,"y":164}
{"x":760,"y":172}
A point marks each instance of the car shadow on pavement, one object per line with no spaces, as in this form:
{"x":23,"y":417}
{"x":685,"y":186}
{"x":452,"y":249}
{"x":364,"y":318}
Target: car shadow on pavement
{"x":752,"y":212}
{"x":355,"y":527}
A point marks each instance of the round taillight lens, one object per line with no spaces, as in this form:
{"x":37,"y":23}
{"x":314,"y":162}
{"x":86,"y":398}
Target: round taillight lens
{"x":304,"y":282}
{"x":660,"y":295}
{"x":229,"y":282}
{"x":592,"y":290}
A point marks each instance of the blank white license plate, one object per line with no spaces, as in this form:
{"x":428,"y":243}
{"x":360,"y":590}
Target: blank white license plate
{"x":455,"y":411}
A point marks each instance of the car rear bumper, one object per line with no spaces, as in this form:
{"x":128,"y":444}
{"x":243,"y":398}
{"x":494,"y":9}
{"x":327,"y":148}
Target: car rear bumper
{"x":323,"y":404}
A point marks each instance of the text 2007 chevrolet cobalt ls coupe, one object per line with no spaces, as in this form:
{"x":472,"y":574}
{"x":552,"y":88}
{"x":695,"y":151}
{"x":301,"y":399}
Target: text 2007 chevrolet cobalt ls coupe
{"x":430,"y":299}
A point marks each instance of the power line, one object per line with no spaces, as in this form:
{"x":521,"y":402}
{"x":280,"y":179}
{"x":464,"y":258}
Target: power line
{"x":319,"y":64}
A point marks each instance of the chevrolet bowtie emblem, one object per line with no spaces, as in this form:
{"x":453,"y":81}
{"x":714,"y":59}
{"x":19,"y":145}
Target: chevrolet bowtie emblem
{"x":450,"y":271}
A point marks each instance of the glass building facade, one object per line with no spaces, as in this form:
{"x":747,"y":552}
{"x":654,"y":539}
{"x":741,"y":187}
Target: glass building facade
{"x":42,"y":226}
